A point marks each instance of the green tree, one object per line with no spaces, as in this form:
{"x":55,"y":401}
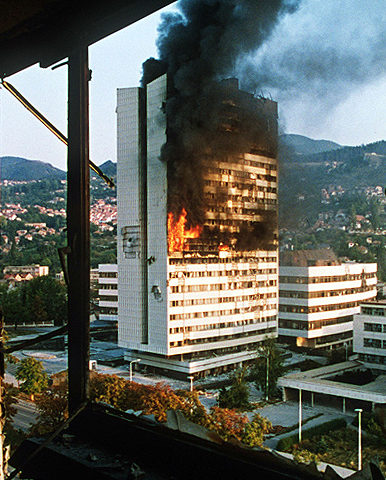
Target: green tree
{"x":10,"y":394}
{"x":381,"y":260}
{"x":45,"y":300}
{"x":237,"y":395}
{"x":157,"y":400}
{"x":52,"y":406}
{"x":39,"y":300}
{"x":305,"y":456}
{"x":275,"y":367}
{"x":255,"y":430}
{"x":32,"y":375}
{"x":227,"y":423}
{"x":13,"y":306}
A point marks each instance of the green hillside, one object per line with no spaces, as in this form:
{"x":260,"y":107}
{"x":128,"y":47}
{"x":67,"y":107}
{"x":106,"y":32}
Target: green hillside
{"x":21,"y":169}
{"x":306,"y":146}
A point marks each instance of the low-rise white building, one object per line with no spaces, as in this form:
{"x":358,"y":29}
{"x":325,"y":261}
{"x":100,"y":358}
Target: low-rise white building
{"x":370,"y":334}
{"x":318,"y":297}
{"x":21,"y":273}
{"x":35,"y":270}
{"x":108,"y":291}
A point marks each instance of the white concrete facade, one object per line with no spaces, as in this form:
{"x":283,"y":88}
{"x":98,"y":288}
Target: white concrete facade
{"x":317,"y":303}
{"x":130,"y":302}
{"x":108,"y":291}
{"x":35,"y":270}
{"x":188,"y":313}
{"x":370,"y":335}
{"x":157,"y":221}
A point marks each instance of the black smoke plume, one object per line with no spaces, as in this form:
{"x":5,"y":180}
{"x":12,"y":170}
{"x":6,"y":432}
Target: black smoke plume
{"x":209,"y":118}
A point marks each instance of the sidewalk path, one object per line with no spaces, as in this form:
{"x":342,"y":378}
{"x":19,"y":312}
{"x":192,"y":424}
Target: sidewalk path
{"x":291,"y":409}
{"x":26,"y":415}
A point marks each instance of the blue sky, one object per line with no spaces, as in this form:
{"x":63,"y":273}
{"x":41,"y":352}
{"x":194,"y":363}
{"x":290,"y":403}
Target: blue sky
{"x":343,"y":99}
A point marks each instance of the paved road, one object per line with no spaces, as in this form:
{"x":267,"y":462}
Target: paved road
{"x":286,"y":414}
{"x":26,"y":415}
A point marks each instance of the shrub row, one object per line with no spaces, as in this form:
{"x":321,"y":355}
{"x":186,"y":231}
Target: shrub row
{"x":286,"y":443}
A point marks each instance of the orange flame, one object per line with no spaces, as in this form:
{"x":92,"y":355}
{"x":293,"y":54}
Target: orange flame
{"x":177,"y":233}
{"x":223,"y":248}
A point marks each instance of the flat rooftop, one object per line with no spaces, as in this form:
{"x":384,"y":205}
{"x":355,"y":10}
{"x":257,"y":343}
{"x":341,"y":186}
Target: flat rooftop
{"x":318,"y":381}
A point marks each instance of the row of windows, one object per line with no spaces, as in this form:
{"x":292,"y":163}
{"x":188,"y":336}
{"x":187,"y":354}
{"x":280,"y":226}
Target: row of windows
{"x":224,"y":171}
{"x":242,"y":174}
{"x":374,"y":327}
{"x":373,"y":311}
{"x":315,"y":325}
{"x":374,"y":343}
{"x":108,"y":298}
{"x":236,"y":210}
{"x":377,"y":359}
{"x":243,"y":199}
{"x":229,"y":223}
{"x":220,"y":313}
{"x":221,"y":286}
{"x":336,"y":278}
{"x":108,"y":286}
{"x":333,"y":338}
{"x":214,"y":300}
{"x":319,"y":308}
{"x":223,"y":338}
{"x":108,"y":310}
{"x":108,"y":275}
{"x":248,"y":347}
{"x":224,"y":273}
{"x":240,"y":186}
{"x":214,"y":326}
{"x":239,"y":198}
{"x":204,"y":260}
{"x":253,"y":163}
{"x":321,"y":294}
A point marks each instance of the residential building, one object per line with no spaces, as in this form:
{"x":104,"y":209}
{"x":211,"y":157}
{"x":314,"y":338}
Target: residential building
{"x":22,"y":273}
{"x":370,"y":334}
{"x":318,"y":297}
{"x":108,"y":291}
{"x":192,"y":305}
{"x":94,"y":275}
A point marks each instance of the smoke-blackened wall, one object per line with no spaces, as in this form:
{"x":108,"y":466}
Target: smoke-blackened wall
{"x":199,"y":47}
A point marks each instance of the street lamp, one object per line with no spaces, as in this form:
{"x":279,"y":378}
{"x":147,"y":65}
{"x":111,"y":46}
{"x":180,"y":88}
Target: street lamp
{"x":265,"y":354}
{"x":131,"y":368}
{"x":300,"y":415}
{"x":359,"y":410}
{"x":191,"y":378}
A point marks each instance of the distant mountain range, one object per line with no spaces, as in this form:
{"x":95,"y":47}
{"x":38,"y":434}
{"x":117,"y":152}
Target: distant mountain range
{"x":306,"y":165}
{"x":109,"y":168}
{"x":307,"y":146}
{"x":337,"y":161}
{"x":22,"y":169}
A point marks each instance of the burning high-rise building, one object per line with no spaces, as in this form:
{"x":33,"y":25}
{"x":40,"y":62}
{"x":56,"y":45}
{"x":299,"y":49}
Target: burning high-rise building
{"x":197,"y":240}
